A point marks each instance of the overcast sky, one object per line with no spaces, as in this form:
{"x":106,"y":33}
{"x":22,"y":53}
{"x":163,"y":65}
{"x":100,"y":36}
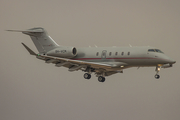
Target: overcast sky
{"x":33,"y":90}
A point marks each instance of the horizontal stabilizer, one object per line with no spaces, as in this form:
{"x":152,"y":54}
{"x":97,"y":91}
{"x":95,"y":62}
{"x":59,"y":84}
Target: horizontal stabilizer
{"x":33,"y":30}
{"x":29,"y":50}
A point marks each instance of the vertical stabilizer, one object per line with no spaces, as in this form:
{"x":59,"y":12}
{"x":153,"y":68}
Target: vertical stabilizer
{"x":40,"y":38}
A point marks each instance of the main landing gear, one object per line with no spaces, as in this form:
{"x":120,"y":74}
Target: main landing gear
{"x":100,"y":78}
{"x":87,"y":76}
{"x":157,"y":76}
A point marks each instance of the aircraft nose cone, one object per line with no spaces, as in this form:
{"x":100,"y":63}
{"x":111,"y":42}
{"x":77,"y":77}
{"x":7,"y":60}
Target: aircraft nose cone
{"x":168,"y":60}
{"x":172,"y":61}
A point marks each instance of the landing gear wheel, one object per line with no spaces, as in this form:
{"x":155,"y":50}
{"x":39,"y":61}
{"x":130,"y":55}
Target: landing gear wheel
{"x":157,"y":76}
{"x":87,"y":76}
{"x":101,"y":79}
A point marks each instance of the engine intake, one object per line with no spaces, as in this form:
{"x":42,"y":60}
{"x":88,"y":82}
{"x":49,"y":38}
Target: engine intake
{"x":64,"y":52}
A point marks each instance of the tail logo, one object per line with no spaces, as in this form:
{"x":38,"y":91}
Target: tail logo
{"x":48,"y":45}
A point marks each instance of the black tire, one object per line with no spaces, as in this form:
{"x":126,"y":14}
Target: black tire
{"x":157,"y":76}
{"x":101,"y":79}
{"x":87,"y":76}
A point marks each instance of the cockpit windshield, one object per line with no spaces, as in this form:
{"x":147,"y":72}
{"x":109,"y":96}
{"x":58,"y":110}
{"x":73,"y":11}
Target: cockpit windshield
{"x":151,"y":50}
{"x":155,"y":50}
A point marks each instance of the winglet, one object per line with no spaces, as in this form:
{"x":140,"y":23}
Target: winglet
{"x":29,"y":50}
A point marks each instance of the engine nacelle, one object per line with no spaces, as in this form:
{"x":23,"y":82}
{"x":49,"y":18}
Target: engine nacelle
{"x":64,"y":52}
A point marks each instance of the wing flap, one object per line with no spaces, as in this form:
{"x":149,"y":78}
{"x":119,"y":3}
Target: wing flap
{"x":74,"y":68}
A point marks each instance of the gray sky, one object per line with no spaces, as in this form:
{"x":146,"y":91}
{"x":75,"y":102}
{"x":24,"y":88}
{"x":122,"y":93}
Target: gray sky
{"x":33,"y":90}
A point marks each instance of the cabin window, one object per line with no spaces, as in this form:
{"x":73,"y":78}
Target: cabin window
{"x":110,"y":53}
{"x":122,"y":53}
{"x":116,"y":53}
{"x":97,"y":53}
{"x":128,"y":53}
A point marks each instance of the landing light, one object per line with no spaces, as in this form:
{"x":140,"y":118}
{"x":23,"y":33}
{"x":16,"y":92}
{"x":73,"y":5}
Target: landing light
{"x":160,"y":64}
{"x":122,"y":66}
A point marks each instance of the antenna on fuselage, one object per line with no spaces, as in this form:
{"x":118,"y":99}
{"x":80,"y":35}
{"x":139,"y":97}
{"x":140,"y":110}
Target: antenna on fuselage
{"x":95,"y":45}
{"x":130,"y":45}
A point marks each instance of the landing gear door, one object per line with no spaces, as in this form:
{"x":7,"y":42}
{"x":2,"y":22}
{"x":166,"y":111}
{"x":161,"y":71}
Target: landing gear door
{"x":103,"y":55}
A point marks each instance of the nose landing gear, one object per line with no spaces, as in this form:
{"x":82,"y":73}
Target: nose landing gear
{"x":157,"y":76}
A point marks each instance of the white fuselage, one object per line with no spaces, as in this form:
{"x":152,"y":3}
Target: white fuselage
{"x":132,"y":56}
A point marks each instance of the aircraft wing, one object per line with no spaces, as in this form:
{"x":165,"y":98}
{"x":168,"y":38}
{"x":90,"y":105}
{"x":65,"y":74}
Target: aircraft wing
{"x":29,"y":50}
{"x":74,"y":65}
{"x":76,"y":62}
{"x":108,"y":68}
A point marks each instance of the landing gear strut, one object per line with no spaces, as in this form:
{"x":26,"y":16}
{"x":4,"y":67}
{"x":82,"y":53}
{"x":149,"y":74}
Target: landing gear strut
{"x":88,"y":75}
{"x":157,"y":76}
{"x":100,"y":76}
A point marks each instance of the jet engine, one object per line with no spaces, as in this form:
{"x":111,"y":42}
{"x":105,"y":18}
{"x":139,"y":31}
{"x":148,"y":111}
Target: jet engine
{"x":64,"y":52}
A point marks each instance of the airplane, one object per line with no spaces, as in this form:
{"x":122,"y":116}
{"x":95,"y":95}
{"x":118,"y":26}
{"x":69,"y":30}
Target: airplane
{"x":103,"y":61}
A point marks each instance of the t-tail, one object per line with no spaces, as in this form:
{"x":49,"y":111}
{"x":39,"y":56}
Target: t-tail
{"x":40,"y":38}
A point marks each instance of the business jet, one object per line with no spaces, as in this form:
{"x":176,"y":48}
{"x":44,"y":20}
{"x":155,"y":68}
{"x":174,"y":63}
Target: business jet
{"x":103,"y":61}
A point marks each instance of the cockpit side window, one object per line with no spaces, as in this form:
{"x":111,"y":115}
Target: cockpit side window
{"x":151,"y":50}
{"x":159,"y":51}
